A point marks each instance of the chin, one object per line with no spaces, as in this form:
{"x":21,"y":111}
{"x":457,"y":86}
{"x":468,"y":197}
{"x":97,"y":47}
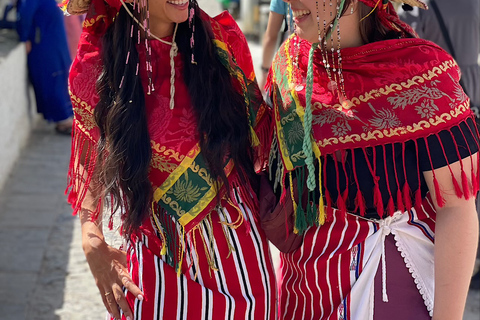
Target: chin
{"x":307,"y":36}
{"x":181,"y":19}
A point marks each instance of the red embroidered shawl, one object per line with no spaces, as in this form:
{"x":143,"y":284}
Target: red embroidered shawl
{"x":400,"y":90}
{"x":182,"y":186}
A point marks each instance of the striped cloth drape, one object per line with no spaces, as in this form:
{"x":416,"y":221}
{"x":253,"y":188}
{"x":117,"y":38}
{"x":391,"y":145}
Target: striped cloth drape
{"x":226,"y":274}
{"x":332,"y":275}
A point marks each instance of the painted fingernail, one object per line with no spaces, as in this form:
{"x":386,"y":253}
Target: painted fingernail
{"x":140,"y":297}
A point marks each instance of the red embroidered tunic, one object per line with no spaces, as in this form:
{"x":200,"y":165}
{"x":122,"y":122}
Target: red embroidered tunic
{"x":203,"y":261}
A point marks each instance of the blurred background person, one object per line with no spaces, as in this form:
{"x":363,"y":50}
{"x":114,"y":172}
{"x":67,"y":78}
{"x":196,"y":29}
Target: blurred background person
{"x":455,"y":26}
{"x":280,"y":16}
{"x":40,"y":25}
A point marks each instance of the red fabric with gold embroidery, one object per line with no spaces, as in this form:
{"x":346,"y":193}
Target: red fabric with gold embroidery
{"x":173,"y":133}
{"x":400,"y":90}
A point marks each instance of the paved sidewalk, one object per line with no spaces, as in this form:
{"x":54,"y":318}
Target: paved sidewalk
{"x":43,"y":272}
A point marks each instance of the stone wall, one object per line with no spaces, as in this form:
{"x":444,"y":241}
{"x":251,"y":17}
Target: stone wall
{"x":17,"y":105}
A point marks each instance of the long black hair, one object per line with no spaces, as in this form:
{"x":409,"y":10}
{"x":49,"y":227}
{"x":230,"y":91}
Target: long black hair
{"x":124,"y":146}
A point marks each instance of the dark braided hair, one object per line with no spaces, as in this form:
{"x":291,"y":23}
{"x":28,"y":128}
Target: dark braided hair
{"x":124,"y":145}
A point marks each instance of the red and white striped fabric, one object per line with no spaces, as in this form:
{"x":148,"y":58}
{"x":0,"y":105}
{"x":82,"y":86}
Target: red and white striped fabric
{"x":332,"y":275}
{"x":242,"y":287}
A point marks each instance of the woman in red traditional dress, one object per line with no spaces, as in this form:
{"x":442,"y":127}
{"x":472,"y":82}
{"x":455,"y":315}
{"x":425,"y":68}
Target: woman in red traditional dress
{"x":375,"y":134}
{"x":168,"y":127}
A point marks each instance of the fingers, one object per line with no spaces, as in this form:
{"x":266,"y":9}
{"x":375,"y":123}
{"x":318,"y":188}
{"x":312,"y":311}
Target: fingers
{"x":111,"y":275}
{"x":121,"y":303}
{"x":109,"y":303}
{"x":128,"y":284}
{"x":114,"y":296}
{"x":116,"y":303}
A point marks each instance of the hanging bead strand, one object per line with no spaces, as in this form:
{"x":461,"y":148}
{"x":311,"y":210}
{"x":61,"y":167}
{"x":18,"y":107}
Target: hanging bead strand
{"x":144,"y":24}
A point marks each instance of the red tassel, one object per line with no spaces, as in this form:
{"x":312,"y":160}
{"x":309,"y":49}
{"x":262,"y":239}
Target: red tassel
{"x":328,"y":199}
{"x":377,"y":198}
{"x":72,"y":197}
{"x":330,"y":212}
{"x":418,"y":198}
{"x":283,"y":196}
{"x":390,"y":207}
{"x":407,"y":197}
{"x":438,"y":193}
{"x":466,"y":185}
{"x":400,"y":201}
{"x":341,"y":204}
{"x":360,"y":203}
{"x":458,"y":190}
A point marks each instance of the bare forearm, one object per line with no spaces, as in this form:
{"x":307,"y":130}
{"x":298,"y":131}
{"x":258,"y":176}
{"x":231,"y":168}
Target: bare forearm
{"x":275,"y":21}
{"x":269,"y":45}
{"x":92,"y":230}
{"x":269,"y":49}
{"x":456,"y":236}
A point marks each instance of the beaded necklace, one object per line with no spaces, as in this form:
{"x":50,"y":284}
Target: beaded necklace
{"x":142,"y":8}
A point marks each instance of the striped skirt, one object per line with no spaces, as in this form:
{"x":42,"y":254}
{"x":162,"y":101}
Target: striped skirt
{"x":347,"y":269}
{"x":226,"y":273}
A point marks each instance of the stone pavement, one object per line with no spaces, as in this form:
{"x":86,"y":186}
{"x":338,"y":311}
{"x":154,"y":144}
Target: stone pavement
{"x":43,"y":272}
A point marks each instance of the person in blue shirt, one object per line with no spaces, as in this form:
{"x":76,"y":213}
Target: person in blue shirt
{"x":280,"y":12}
{"x":40,"y":25}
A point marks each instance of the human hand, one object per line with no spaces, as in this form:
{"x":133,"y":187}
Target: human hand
{"x":109,"y":268}
{"x":262,"y":80}
{"x":28,"y":46}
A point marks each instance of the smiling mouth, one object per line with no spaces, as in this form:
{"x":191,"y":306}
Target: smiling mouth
{"x":178,"y":2}
{"x":300,"y":13}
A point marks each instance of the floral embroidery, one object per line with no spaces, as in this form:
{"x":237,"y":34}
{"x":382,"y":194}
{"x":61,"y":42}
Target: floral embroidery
{"x":185,"y":191}
{"x":426,"y":109}
{"x":329,"y":115}
{"x":339,"y":129}
{"x":295,"y":134}
{"x":412,"y":96}
{"x":385,"y":119}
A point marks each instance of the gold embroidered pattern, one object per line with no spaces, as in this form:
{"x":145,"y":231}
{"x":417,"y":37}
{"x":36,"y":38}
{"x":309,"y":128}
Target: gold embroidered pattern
{"x":159,"y":162}
{"x":394,"y":87}
{"x":378,"y":134}
{"x":90,"y":22}
{"x":176,"y":174}
{"x":170,"y":153}
{"x":83,"y":115}
{"x":161,"y":155}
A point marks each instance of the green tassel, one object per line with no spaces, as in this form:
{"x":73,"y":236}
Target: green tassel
{"x":300,"y":217}
{"x":300,"y":222}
